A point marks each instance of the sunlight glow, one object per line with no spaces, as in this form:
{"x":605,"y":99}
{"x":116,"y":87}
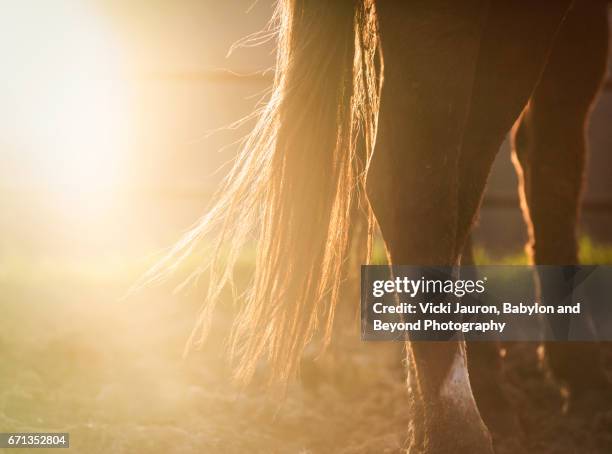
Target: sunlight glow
{"x":65,"y":103}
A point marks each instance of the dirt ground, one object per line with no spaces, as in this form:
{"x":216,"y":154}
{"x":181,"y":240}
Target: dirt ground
{"x":75,"y":358}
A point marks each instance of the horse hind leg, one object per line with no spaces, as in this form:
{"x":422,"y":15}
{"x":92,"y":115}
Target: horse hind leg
{"x":512,"y":57}
{"x":550,"y":151}
{"x":430,"y":49}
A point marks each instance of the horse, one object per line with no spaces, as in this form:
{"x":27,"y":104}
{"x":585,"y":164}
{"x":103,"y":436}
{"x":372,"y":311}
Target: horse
{"x":392,"y":112}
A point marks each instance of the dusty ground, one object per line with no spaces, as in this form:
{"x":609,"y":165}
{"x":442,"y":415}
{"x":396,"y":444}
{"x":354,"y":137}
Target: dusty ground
{"x":75,"y":359}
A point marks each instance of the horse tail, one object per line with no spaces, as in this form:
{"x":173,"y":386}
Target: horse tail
{"x":296,"y":185}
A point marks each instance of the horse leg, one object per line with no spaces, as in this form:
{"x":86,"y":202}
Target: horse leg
{"x":549,"y":154}
{"x":486,"y":368}
{"x":515,"y":43}
{"x":430,"y":49}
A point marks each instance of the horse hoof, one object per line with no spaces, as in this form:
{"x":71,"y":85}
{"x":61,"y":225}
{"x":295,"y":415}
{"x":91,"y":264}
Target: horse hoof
{"x":449,"y":429}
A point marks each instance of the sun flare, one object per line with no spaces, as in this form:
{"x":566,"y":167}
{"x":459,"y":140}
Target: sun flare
{"x":67,"y":110}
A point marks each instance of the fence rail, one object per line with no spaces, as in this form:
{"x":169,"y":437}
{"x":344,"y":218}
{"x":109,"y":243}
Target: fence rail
{"x":225,"y":76}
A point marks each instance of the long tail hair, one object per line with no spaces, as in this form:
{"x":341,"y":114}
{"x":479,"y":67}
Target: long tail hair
{"x":295,"y":186}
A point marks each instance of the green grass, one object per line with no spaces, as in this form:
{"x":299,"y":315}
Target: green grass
{"x":590,"y":253}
